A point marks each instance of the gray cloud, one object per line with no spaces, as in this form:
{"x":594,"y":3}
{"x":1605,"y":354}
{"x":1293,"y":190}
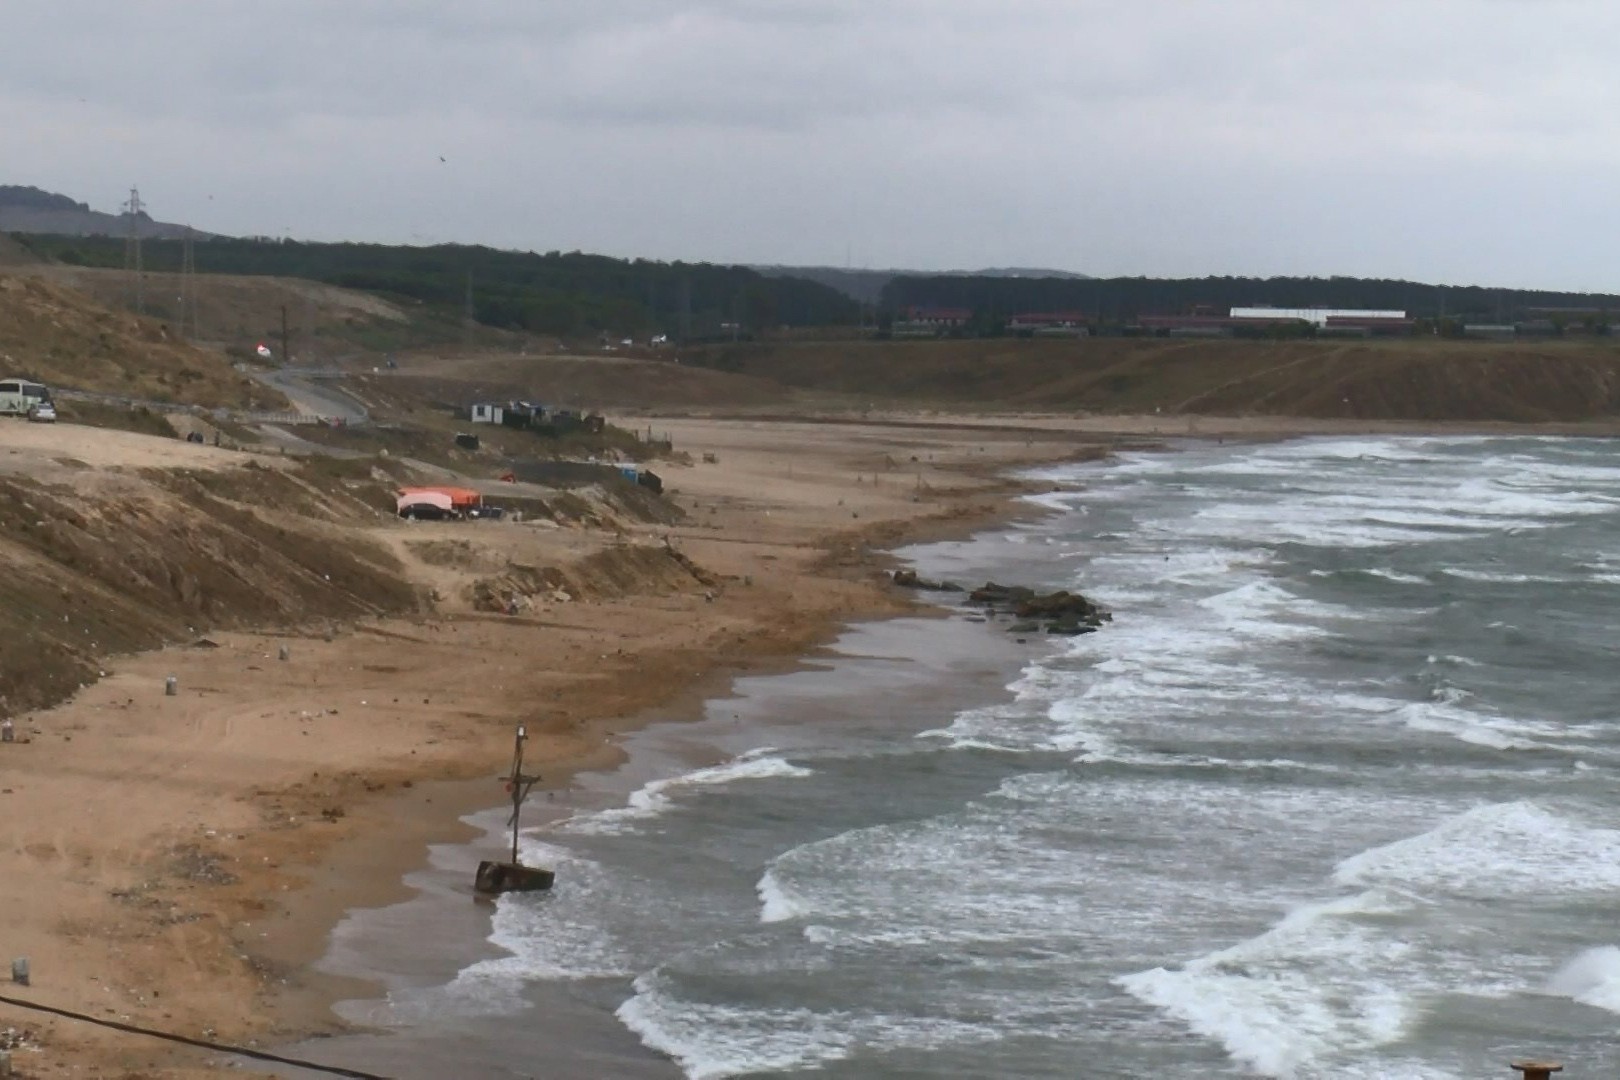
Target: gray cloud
{"x":1464,"y":141}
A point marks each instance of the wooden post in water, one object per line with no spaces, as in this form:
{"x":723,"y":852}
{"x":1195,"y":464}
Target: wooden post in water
{"x":520,"y":785}
{"x":1537,"y":1070}
{"x":494,"y":877}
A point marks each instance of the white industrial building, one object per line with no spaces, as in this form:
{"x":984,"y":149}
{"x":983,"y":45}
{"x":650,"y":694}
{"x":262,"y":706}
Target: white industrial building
{"x":1315,"y":316}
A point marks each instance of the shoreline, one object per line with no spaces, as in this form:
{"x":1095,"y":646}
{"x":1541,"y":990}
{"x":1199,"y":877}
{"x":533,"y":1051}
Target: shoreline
{"x":868,"y":662}
{"x":224,"y":911}
{"x":220,"y":893}
{"x":389,"y":883}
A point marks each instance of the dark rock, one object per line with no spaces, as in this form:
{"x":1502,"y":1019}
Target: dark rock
{"x":1062,"y":612}
{"x":908,"y":579}
{"x":1000,"y":595}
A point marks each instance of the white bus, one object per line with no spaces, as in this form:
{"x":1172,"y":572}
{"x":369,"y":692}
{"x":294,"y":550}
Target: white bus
{"x":18,"y":396}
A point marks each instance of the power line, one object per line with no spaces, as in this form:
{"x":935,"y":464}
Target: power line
{"x":189,"y":321}
{"x":186,"y":1040}
{"x":132,"y":248}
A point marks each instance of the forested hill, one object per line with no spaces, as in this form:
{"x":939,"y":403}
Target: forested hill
{"x":1121,"y":299}
{"x":555,"y":293}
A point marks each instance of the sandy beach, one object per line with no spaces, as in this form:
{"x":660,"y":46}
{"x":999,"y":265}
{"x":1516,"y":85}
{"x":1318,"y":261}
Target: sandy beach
{"x":178,"y":861}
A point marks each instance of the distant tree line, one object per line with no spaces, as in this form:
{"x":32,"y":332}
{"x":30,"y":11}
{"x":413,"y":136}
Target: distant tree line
{"x":1122,"y":300}
{"x":567,"y":294}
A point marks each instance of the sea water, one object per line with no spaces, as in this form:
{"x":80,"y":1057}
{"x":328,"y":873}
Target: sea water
{"x":1334,"y":795}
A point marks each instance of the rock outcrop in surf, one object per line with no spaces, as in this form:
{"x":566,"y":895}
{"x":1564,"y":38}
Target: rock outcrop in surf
{"x":1060,"y":612}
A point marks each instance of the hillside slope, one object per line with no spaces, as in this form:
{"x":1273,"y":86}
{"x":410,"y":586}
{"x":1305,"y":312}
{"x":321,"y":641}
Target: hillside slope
{"x":239,"y":312}
{"x":14,"y":254}
{"x":1401,"y":380}
{"x":60,"y":336}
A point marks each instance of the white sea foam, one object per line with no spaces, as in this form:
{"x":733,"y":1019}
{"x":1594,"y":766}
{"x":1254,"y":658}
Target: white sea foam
{"x":1592,"y":978}
{"x":1377,"y":572}
{"x":1465,"y":726}
{"x":777,"y":903}
{"x":657,"y":797}
{"x":1494,"y":851}
{"x":1455,"y":661}
{"x":711,"y":1041}
{"x":1266,"y":610}
{"x":1309,"y":988}
{"x":556,"y":935}
{"x":1499,"y":578}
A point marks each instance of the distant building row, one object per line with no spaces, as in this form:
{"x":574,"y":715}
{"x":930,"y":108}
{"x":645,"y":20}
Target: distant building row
{"x":1241,"y":321}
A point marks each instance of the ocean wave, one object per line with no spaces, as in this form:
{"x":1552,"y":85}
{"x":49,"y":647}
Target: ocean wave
{"x":1494,"y":851}
{"x":1592,"y":978}
{"x":778,"y":903}
{"x":711,"y":1041}
{"x":655,"y":798}
{"x":1023,"y":727}
{"x":1496,"y":577}
{"x":1382,"y":573}
{"x":554,"y":935}
{"x":1445,"y":716}
{"x":1266,"y":610}
{"x":1308,"y":989}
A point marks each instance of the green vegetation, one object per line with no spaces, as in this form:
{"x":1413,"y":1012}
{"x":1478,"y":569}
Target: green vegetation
{"x":563,"y":294}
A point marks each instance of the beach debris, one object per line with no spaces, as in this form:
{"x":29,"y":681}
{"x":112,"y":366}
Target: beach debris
{"x":7,"y":732}
{"x":19,"y":971}
{"x":284,"y":653}
{"x":171,"y":686}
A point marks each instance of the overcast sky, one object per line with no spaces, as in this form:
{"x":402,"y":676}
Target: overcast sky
{"x":1463,"y":142}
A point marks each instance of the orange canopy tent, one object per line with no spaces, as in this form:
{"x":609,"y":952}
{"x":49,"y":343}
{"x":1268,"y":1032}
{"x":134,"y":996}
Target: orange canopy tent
{"x":460,"y":498}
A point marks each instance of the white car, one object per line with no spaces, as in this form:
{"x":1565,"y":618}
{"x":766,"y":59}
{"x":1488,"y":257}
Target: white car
{"x":42,"y":413}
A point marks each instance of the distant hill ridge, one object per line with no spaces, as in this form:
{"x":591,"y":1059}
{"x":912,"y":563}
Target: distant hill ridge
{"x":34,"y":210}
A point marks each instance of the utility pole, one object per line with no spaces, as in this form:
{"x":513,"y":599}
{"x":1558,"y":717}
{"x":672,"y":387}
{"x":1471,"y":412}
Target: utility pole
{"x":132,"y":249}
{"x":286,"y":356}
{"x":469,"y":312}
